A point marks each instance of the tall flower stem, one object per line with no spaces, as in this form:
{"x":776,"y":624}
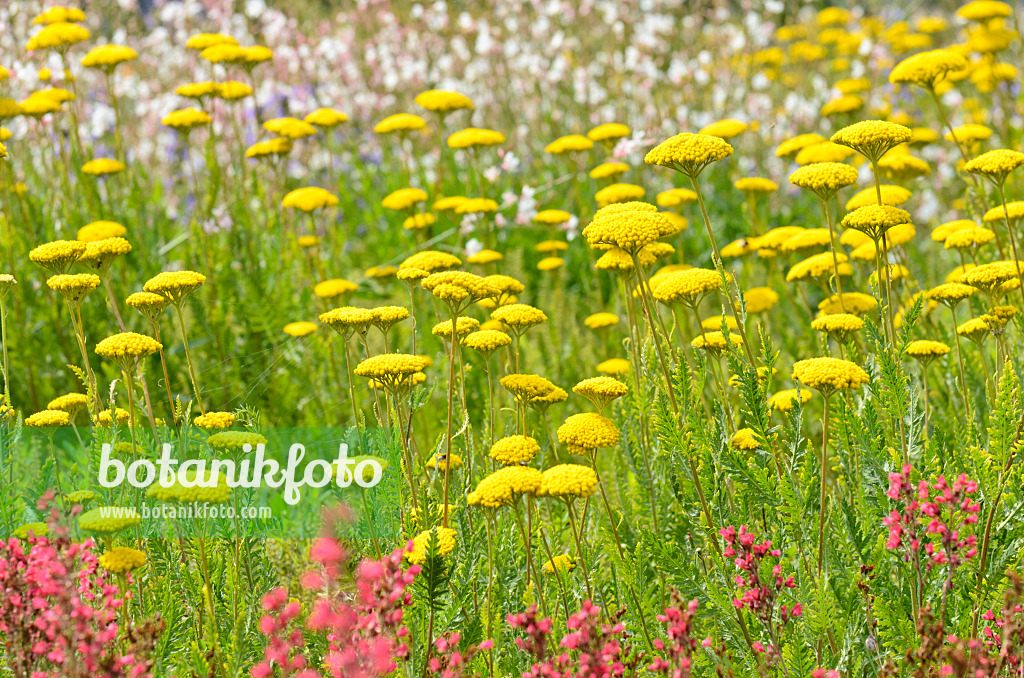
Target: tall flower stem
{"x":1013,"y":238}
{"x":832,"y":248}
{"x":3,"y":340}
{"x":960,"y":358}
{"x":718,"y":265}
{"x":188,"y":359}
{"x":530,"y":565}
{"x":579,"y":549}
{"x":451,"y":398}
{"x":824,"y":477}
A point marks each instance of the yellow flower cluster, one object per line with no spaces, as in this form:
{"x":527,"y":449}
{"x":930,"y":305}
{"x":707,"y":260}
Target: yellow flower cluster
{"x":891,"y":195}
{"x":872,"y":138}
{"x":568,"y":482}
{"x":819,"y":266}
{"x":234,"y":441}
{"x":348,"y":318}
{"x":400,"y":122}
{"x":532,"y":389}
{"x":996,"y":164}
{"x":176,"y":285}
{"x":950,"y":293}
{"x":330,"y":289}
{"x":445,"y":544}
{"x":456,"y":287}
{"x":828,"y":375}
{"x":688,"y":287}
{"x":390,"y":368}
{"x":586,"y":432}
{"x":715,"y":342}
{"x":562,"y":563}
{"x":99,"y":254}
{"x":519,"y":317}
{"x":205,"y":487}
{"x":824,"y":178}
{"x":744,"y":440}
{"x":600,"y":321}
{"x":989,"y":277}
{"x":569,"y":144}
{"x":504,"y":486}
{"x":475,"y":136}
{"x":385,"y":317}
{"x":784,"y":400}
{"x":755,"y":185}
{"x":463,"y":326}
{"x":617,"y":193}
{"x":600,"y":390}
{"x":403,"y":199}
{"x":839,"y":325}
{"x":689,"y":153}
{"x":121,"y":559}
{"x":69,"y":402}
{"x":73,"y":286}
{"x":609,"y":131}
{"x":59,"y":255}
{"x":109,"y":520}
{"x":215,"y":420}
{"x":442,"y":100}
{"x":128,"y":345}
{"x":48,"y":419}
{"x":874,"y":220}
{"x":924,"y":349}
{"x":486,"y":341}
{"x":927,"y":68}
{"x":513,"y":450}
{"x":309,"y":199}
{"x":629,"y":226}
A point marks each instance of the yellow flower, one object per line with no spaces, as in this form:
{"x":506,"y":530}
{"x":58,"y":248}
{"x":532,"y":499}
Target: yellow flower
{"x":819,"y":266}
{"x":103,"y":167}
{"x":744,"y":440}
{"x":823,"y":152}
{"x":950,"y":293}
{"x":57,"y":256}
{"x":824,"y":178}
{"x":445,"y":540}
{"x":513,"y":450}
{"x":486,"y":341}
{"x":289,"y":128}
{"x":609,"y":131}
{"x":401,"y":122}
{"x":519,"y":317}
{"x":872,"y":138}
{"x":108,"y":56}
{"x":926,"y":350}
{"x":309,"y":199}
{"x":875,"y":220}
{"x":59,"y":14}
{"x":100,"y":230}
{"x":463,"y":327}
{"x":760,"y":299}
{"x":331,"y":289}
{"x":505,"y":486}
{"x":121,"y":559}
{"x":442,"y":101}
{"x":569,"y":144}
{"x":996,"y":164}
{"x":232,"y":90}
{"x":783,"y":401}
{"x":617,"y":193}
{"x":829,"y":375}
{"x":903,"y":166}
{"x":975,"y":329}
{"x":689,"y":153}
{"x":186,"y":119}
{"x":215,"y":420}
{"x":839,"y":325}
{"x":73,"y":287}
{"x":847,"y":103}
{"x":600,"y":321}
{"x":105,"y":418}
{"x":606,"y":170}
{"x":614,"y":366}
{"x":852,"y":302}
{"x":256,"y":54}
{"x":891,"y":195}
{"x":629,"y":226}
{"x":438,"y":461}
{"x":927,"y":68}
{"x":33,"y":529}
{"x":755,"y":185}
{"x":989,"y":277}
{"x":674,"y":197}
{"x":475,"y":136}
{"x":197,"y":90}
{"x":943,"y":231}
{"x":600,"y":390}
{"x":725,"y":129}
{"x":206,"y":487}
{"x":811,"y":238}
{"x":223,"y":54}
{"x":58,"y":36}
{"x":419,"y":221}
{"x":969,"y":133}
{"x":149,"y":304}
{"x":715,"y":342}
{"x":264,"y":149}
{"x":550,"y":264}
{"x":568,"y":481}
{"x":688,"y":287}
{"x":1014,"y":210}
{"x":100,"y":254}
{"x":234,"y":441}
{"x":969,"y":238}
{"x":48,"y":419}
{"x":175,"y":286}
{"x":325,"y":117}
{"x":563,"y":563}
{"x":984,"y":10}
{"x":404,"y":198}
{"x":790,"y":147}
{"x":484,"y":257}
{"x":390,"y":369}
{"x":69,"y":402}
{"x":201,"y":41}
{"x":348,"y":318}
{"x":127,"y":347}
{"x":109,"y":520}
{"x":476,"y":206}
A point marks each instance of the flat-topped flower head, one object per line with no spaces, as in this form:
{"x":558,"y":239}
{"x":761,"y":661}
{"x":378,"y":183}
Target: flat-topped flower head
{"x":950,"y":294}
{"x":514,"y":450}
{"x":572,"y":143}
{"x":975,"y":330}
{"x":968,"y":133}
{"x":326,"y":118}
{"x":925,"y":350}
{"x":726,"y":128}
{"x":401,"y":123}
{"x":347,"y":319}
{"x":279,"y":147}
{"x":872,"y":138}
{"x":760,"y":299}
{"x":785,"y":400}
{"x":442,"y":100}
{"x":819,"y":266}
{"x":69,"y":402}
{"x":689,"y":153}
{"x":529,"y":388}
{"x":982,"y":11}
{"x":600,"y":390}
{"x":121,"y":559}
{"x":926,"y":69}
{"x":176,"y":286}
{"x":755,"y":185}
{"x":676,"y":197}
{"x":215,"y":420}
{"x":459,"y":289}
{"x":824,"y":152}
{"x":1014,"y":212}
{"x":891,"y":195}
{"x":609,"y":131}
{"x":812,"y":238}
{"x":840,"y":326}
{"x":874,"y":220}
{"x":100,"y":230}
{"x":824,"y":178}
{"x":600,"y":321}
{"x":715,"y":342}
{"x":505,"y":486}
{"x":848,"y":302}
{"x":59,"y":14}
{"x":560,"y":563}
{"x":73,"y":286}
{"x":106,"y":57}
{"x":48,"y":419}
{"x":404,"y":198}
{"x":551,"y":217}
{"x":475,"y":136}
{"x":567,"y":482}
{"x":101,"y":167}
{"x":431,"y":261}
{"x":390,"y":369}
{"x":186,"y":119}
{"x":233,"y":442}
{"x":109,"y":520}
{"x":995,"y":165}
{"x":519,"y":317}
{"x":300,"y":328}
{"x":989,"y":278}
{"x":903,"y":166}
{"x":127,"y":348}
{"x":688,"y":287}
{"x":790,"y":147}
{"x":58,"y":36}
{"x":944,"y":230}
{"x":58,"y":256}
{"x":828,"y":375}
{"x":463,"y":326}
{"x":477,"y":206}
{"x":630,"y":226}
{"x":744,"y":440}
{"x":486,"y":341}
{"x":309,"y":199}
{"x":148,"y":304}
{"x":616,"y":193}
{"x":386,"y":317}
{"x":445,"y":540}
{"x":969,"y":239}
{"x":100,"y":254}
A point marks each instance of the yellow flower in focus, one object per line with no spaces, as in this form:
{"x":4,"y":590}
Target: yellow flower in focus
{"x":744,"y":440}
{"x":689,"y":153}
{"x":829,"y":375}
{"x":215,"y":420}
{"x":784,"y":400}
{"x":48,"y":419}
{"x":567,"y":482}
{"x":514,"y":450}
{"x":121,"y":559}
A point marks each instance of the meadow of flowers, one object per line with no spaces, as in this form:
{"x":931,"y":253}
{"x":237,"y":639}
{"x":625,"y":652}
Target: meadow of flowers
{"x":686,"y":337}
